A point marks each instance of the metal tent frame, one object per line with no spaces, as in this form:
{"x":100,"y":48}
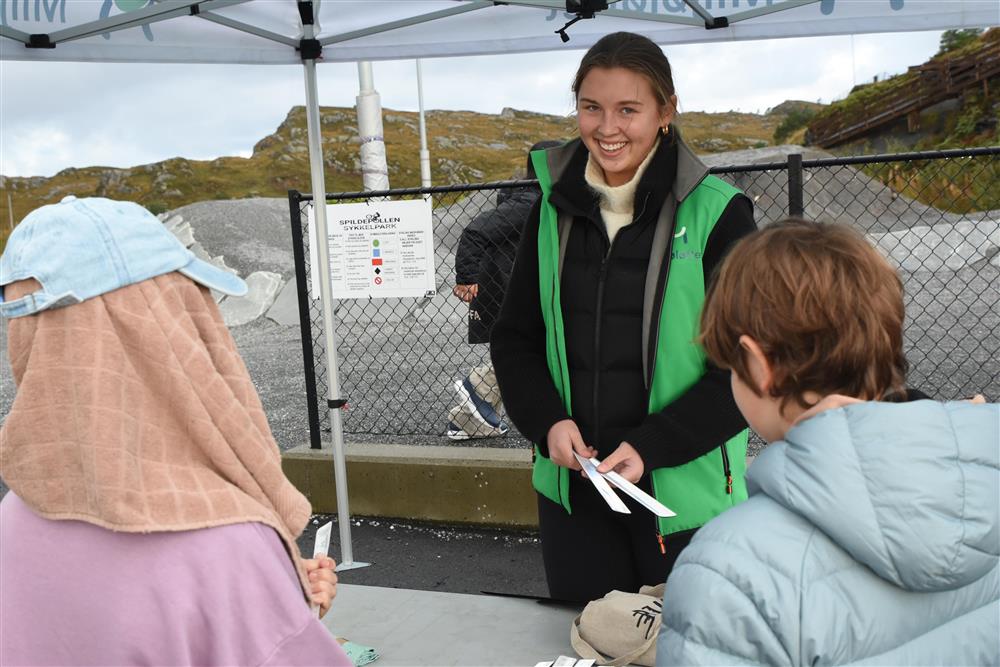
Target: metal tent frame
{"x":308,"y":48}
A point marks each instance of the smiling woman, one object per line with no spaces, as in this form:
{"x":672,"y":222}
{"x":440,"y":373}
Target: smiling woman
{"x":624,"y":102}
{"x":593,"y":349}
{"x":620,"y":118}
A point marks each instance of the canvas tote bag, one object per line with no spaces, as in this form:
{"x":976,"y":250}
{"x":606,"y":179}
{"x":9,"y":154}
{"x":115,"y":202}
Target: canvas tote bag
{"x":620,"y":628}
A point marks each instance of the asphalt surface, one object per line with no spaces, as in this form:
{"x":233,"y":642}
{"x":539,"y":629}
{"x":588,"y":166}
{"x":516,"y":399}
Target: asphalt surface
{"x":437,"y":558}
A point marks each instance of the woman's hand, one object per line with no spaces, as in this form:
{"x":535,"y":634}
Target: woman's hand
{"x":563,"y":439}
{"x":322,"y":580}
{"x":625,"y":461}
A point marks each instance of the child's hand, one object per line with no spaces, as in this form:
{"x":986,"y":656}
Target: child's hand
{"x":323,"y":581}
{"x":827,"y":403}
{"x":625,"y":461}
{"x":978,"y":398}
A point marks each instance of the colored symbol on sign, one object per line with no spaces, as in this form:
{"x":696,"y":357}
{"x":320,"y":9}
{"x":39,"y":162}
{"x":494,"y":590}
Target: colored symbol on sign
{"x":378,"y":281}
{"x":374,"y":243}
{"x":377,"y":271}
{"x":376,"y":261}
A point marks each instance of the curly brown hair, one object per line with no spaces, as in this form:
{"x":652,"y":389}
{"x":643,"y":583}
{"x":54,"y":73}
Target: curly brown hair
{"x":825,"y":307}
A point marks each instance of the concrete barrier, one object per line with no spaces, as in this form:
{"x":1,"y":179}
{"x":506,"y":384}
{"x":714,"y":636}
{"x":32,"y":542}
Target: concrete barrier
{"x":485,"y":486}
{"x":482,"y":486}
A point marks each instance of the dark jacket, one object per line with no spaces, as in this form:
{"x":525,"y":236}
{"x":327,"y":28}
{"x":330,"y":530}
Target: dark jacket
{"x":485,"y":256}
{"x":602,"y":288}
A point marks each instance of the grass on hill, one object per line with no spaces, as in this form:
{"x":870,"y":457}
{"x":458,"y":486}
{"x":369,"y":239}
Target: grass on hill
{"x":951,"y":185}
{"x":465,"y":147}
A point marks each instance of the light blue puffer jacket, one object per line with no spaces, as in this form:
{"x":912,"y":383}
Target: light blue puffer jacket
{"x":870,"y":537}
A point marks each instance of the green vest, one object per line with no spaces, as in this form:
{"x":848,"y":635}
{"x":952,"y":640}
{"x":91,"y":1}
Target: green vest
{"x":699,"y":490}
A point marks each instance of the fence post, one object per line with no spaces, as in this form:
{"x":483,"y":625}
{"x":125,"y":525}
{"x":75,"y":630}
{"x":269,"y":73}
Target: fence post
{"x":305,"y":320}
{"x":795,"y":206}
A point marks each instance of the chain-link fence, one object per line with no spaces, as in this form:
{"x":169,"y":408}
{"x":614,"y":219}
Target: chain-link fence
{"x":935,"y":215}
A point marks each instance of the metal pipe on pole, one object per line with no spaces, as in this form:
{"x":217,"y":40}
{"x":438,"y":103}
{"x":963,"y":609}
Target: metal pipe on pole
{"x":425,"y":155}
{"x":317,"y":176}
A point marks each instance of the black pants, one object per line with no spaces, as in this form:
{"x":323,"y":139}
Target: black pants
{"x":595,"y":550}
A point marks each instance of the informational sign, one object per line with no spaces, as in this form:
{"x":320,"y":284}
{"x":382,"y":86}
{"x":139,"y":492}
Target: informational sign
{"x":377,"y":250}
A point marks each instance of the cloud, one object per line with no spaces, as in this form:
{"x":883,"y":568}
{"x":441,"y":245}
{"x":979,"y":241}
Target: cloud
{"x":29,"y":152}
{"x":57,"y":115}
{"x":123,"y":115}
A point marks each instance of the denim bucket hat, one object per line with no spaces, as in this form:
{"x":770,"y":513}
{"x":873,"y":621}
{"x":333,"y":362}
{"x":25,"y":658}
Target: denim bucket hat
{"x":82,"y":248}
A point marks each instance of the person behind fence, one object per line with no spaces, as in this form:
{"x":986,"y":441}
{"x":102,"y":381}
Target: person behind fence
{"x":148,"y":519}
{"x":483,"y":263}
{"x":594,"y":347}
{"x":871,"y":533}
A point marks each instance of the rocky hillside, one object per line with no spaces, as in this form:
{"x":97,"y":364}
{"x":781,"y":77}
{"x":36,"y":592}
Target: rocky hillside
{"x":466,"y":147}
{"x":969,"y":116}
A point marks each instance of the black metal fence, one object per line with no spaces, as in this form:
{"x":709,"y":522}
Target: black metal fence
{"x":936,"y":215}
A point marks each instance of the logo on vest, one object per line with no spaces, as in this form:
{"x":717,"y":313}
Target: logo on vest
{"x":684,"y":254}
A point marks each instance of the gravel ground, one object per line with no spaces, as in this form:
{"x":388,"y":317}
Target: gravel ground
{"x":952,"y":340}
{"x":398,"y":360}
{"x":952,"y":336}
{"x":399,"y":357}
{"x":251,"y":234}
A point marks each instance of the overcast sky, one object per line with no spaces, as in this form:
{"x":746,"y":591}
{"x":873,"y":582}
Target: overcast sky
{"x":58,"y":115}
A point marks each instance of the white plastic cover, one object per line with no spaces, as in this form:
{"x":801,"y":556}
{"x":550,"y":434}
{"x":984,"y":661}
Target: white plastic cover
{"x":374,"y":172}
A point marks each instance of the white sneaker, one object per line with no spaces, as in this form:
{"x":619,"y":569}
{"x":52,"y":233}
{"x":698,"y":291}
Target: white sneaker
{"x":456,"y":433}
{"x":479,"y":408}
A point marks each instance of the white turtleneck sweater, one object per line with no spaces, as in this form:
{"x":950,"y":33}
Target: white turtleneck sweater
{"x":617,"y":203}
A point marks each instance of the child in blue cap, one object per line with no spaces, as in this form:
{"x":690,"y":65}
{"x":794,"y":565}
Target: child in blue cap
{"x":148,"y":519}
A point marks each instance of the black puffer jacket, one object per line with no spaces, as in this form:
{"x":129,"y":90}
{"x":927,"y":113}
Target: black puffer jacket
{"x":485,"y":256}
{"x":602,"y":291}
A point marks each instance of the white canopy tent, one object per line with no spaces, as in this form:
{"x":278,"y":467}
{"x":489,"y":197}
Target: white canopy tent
{"x":307,"y":33}
{"x":269,"y":31}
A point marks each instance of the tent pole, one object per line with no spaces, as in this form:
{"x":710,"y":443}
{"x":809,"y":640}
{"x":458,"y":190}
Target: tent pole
{"x":425,"y":155}
{"x":326,"y":294}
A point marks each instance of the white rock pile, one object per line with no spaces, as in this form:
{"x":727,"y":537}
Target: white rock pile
{"x":264,"y":286}
{"x":945,"y":246}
